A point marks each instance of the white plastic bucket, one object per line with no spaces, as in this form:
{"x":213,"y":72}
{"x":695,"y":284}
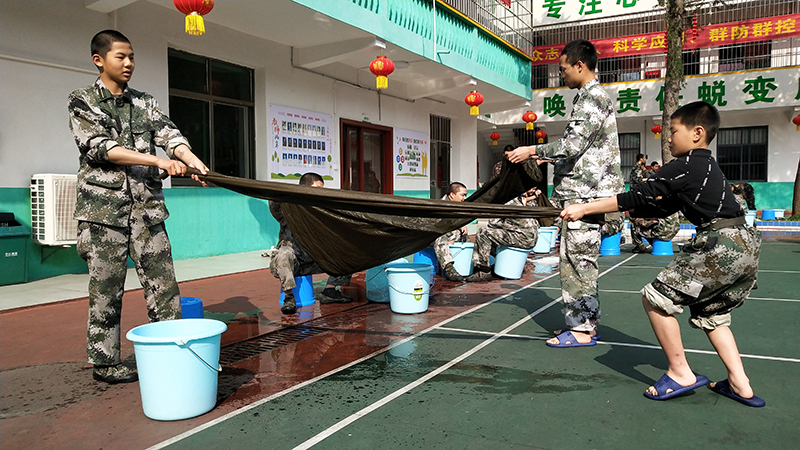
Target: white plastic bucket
{"x":553,"y":235}
{"x":543,"y":242}
{"x":462,"y":257}
{"x":178,"y":365}
{"x":511,"y":262}
{"x":409,"y":287}
{"x":377,"y":285}
{"x":750,"y":218}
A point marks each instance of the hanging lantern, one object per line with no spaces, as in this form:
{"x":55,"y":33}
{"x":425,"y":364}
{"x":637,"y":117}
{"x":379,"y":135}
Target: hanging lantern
{"x":381,"y":67}
{"x":494,"y":136}
{"x":541,"y":135}
{"x":657,"y":131}
{"x":796,"y":121}
{"x":194,"y":10}
{"x":529,"y":117}
{"x":473,"y":99}
{"x":694,"y":33}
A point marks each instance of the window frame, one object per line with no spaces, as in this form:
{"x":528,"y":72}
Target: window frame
{"x":743,"y":149}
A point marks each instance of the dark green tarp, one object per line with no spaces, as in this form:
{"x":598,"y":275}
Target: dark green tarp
{"x":349,"y":231}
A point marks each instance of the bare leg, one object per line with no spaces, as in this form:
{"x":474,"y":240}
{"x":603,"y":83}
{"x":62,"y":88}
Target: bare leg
{"x":725,"y":345}
{"x":668,"y":333}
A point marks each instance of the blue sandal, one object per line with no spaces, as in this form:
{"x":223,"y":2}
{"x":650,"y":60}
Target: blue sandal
{"x":666,"y":383}
{"x":724,"y":388}
{"x":567,"y":336}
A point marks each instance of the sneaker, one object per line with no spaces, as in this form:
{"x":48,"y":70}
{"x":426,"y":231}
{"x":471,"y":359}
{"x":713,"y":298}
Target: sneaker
{"x":642,"y":248}
{"x":333,"y":296}
{"x":451,"y":273}
{"x":289,"y":304}
{"x":479,"y":276}
{"x":114,"y":374}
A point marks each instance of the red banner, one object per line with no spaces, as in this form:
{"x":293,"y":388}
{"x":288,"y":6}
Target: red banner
{"x":707,"y":36}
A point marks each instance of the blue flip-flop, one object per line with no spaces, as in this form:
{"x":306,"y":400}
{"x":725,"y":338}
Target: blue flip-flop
{"x":724,"y":388}
{"x":567,"y":336}
{"x":596,"y":337}
{"x":666,"y":382}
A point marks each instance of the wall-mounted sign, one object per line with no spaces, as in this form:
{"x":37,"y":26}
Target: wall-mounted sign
{"x":554,"y":12}
{"x":411,"y":151}
{"x":300,"y":142}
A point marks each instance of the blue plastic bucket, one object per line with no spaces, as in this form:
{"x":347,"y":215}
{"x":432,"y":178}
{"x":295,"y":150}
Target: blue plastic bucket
{"x":409,"y":286}
{"x":511,"y":262}
{"x":303,"y":292}
{"x":750,"y":217}
{"x":178,"y":364}
{"x":662,"y":248}
{"x":191,"y":308}
{"x":554,"y":235}
{"x":427,"y":256}
{"x":609,"y":244}
{"x":377,"y":285}
{"x":462,"y":257}
{"x":543,"y":242}
{"x":767,"y":214}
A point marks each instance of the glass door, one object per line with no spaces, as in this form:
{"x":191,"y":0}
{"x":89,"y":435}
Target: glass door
{"x":366,"y":153}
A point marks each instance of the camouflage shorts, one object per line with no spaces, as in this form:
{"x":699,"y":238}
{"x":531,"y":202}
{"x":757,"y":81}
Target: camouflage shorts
{"x":713,"y":275}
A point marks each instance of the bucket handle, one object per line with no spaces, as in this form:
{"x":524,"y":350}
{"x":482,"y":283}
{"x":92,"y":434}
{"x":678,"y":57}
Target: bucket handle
{"x":430,"y":286}
{"x":183,"y":343}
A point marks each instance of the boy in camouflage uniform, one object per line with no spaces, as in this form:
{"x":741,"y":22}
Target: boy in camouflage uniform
{"x":640,"y":226}
{"x":587,"y":160}
{"x":120,"y":207}
{"x":718,"y":267}
{"x":290,"y":260}
{"x":441,"y":246}
{"x":520,"y":233}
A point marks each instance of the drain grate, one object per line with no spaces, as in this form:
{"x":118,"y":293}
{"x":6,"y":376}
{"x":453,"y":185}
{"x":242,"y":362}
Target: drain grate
{"x":240,"y":351}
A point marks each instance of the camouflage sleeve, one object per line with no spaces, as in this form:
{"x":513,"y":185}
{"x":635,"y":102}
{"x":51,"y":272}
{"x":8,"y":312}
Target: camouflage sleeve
{"x":166,"y":133}
{"x":277,"y":212}
{"x":585,"y":123}
{"x":92,"y":129}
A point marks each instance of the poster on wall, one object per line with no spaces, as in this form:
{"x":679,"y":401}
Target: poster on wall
{"x":411,"y":150}
{"x":300,"y":142}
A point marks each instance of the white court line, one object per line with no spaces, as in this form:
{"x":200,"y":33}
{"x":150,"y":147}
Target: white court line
{"x":494,"y":336}
{"x":625,"y":344}
{"x":244,"y":409}
{"x":620,"y":291}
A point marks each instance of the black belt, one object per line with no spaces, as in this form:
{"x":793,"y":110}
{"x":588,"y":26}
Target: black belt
{"x":718,"y":224}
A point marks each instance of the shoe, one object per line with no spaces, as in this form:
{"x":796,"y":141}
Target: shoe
{"x":567,"y":339}
{"x":479,"y":276}
{"x":451,"y":273}
{"x":642,"y":248}
{"x":596,"y":337}
{"x":665,"y":383}
{"x":332,"y":296}
{"x":289,"y":304}
{"x":114,"y":374}
{"x":724,"y":388}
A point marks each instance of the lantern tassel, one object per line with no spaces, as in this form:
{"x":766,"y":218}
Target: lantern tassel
{"x":382,"y":82}
{"x":473,"y":111}
{"x":528,"y":126}
{"x":194,"y":24}
{"x":541,"y":140}
{"x":658,"y":135}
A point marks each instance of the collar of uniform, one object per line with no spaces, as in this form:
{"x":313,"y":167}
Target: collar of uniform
{"x":106,"y":95}
{"x":584,"y":90}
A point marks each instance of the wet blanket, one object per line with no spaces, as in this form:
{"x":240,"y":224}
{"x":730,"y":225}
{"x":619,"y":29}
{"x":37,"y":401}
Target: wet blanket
{"x":349,"y":231}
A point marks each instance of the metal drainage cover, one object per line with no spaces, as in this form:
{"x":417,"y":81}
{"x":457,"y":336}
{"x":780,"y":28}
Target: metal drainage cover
{"x":240,"y":351}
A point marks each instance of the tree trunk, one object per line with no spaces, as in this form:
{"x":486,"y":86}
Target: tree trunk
{"x":796,"y":197}
{"x":673,"y":79}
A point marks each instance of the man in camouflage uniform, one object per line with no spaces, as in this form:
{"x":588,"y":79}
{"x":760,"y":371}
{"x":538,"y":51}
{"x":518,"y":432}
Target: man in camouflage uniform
{"x":639,"y":173}
{"x":120,"y":206}
{"x":654,"y":228}
{"x":586,"y":167}
{"x":519,"y":233}
{"x":498,"y":166}
{"x":441,"y":246}
{"x":290,"y":260}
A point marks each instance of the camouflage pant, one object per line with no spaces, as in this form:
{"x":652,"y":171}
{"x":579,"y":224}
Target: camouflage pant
{"x":664,"y":229}
{"x":489,"y":238}
{"x":578,"y":254}
{"x":290,"y":260}
{"x":106,"y":249}
{"x":441,"y":246}
{"x":713,"y":275}
{"x":614,"y":224}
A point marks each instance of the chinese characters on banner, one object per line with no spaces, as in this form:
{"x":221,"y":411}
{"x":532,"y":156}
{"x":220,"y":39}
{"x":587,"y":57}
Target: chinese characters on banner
{"x":411,"y":150}
{"x":300,"y":142}
{"x":555,"y":12}
{"x":708,"y":36}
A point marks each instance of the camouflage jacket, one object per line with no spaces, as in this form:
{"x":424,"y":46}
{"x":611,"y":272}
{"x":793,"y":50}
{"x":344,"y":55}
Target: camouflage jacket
{"x":284,"y":234}
{"x":587,"y":156}
{"x":638,"y":174}
{"x":108,"y":192}
{"x":528,"y":227}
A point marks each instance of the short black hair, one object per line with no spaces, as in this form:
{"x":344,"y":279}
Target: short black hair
{"x":699,"y":114}
{"x":581,"y":50}
{"x":102,"y":41}
{"x":508,"y":148}
{"x":639,"y":156}
{"x":654,"y":163}
{"x":454,"y":187}
{"x":309,"y":178}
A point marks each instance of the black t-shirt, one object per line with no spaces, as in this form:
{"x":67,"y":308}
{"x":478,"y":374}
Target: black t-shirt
{"x":693,"y":184}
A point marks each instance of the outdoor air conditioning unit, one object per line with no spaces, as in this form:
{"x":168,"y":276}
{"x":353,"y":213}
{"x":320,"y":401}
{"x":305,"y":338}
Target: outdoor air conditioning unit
{"x":53,"y":198}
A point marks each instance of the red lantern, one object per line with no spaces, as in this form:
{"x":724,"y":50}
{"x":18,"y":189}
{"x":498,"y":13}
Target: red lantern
{"x":657,"y":131}
{"x":494,"y":136}
{"x":529,"y":117}
{"x":541,"y":135}
{"x":473,"y":99}
{"x":796,"y":121}
{"x":194,"y":10}
{"x":381,"y":67}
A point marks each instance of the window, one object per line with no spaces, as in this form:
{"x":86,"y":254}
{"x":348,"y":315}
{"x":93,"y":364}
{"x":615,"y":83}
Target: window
{"x":753,"y":55}
{"x":439,"y":155}
{"x":211,"y":102}
{"x":624,"y":68}
{"x":742,"y":153}
{"x":629,"y":147}
{"x":691,"y":62}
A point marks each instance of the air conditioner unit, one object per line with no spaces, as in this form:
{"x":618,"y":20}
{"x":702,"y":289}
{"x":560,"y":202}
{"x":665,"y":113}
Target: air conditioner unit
{"x":53,"y":198}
